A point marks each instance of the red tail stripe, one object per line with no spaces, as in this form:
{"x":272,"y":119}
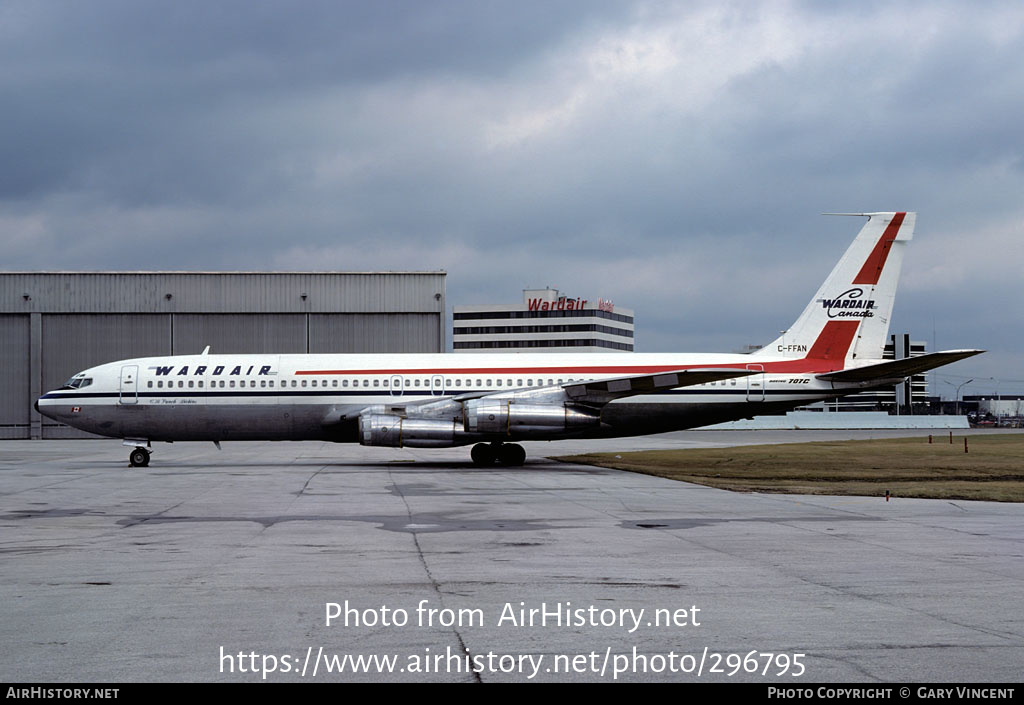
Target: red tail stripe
{"x":872,"y":268}
{"x":834,"y":340}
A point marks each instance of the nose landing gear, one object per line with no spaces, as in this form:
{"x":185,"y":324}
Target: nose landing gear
{"x":508,"y":454}
{"x":138,"y":458}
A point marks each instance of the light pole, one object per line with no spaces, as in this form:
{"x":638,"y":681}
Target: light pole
{"x":958,"y":395}
{"x":998,"y":412}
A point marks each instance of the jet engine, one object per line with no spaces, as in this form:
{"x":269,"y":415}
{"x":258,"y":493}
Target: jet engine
{"x":398,"y":431}
{"x":508,"y":418}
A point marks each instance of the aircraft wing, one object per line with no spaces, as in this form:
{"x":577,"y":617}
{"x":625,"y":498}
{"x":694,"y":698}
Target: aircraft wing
{"x":898,"y":369}
{"x":605,"y":390}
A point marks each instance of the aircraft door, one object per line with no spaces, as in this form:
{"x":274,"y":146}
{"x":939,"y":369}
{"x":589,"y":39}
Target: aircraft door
{"x":755,"y":384}
{"x":437,"y":385}
{"x":397,"y":385}
{"x":130,"y":384}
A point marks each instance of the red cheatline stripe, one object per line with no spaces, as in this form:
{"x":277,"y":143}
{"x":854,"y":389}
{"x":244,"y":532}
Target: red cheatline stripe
{"x":808,"y":364}
{"x":834,"y":340}
{"x":615,"y":369}
{"x":872,"y":268}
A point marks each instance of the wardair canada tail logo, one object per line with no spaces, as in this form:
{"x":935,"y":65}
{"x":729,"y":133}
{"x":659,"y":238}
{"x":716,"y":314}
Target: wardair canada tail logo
{"x":849,"y":304}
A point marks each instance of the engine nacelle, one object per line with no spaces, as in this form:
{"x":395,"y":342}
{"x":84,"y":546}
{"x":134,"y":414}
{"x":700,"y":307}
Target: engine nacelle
{"x":396,"y":431}
{"x":508,"y":418}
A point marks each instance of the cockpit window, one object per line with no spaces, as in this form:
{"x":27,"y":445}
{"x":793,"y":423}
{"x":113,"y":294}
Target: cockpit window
{"x":77,"y":382}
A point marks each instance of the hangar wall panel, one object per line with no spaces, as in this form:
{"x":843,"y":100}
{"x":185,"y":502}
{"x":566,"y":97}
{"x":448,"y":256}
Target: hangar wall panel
{"x":374,"y":332}
{"x":240,"y":333}
{"x":222,"y":292}
{"x":15,"y":400}
{"x":53,"y":324}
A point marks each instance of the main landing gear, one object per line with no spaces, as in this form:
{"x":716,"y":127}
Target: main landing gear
{"x":508,"y":454}
{"x":139,"y":457}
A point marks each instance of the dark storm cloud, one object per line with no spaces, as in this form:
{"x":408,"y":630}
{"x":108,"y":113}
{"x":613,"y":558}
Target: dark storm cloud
{"x":671,"y":155}
{"x":197,"y":101}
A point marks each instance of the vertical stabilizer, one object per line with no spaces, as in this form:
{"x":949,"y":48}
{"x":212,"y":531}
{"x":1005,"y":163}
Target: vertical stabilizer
{"x":849,"y":316}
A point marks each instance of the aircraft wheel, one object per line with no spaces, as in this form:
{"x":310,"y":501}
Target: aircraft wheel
{"x":139,"y":458}
{"x":511,"y":454}
{"x":482,"y":454}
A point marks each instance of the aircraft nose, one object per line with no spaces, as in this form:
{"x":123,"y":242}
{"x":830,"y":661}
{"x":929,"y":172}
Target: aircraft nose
{"x":36,"y":405}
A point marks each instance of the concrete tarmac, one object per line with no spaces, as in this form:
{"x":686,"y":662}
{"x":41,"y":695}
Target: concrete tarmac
{"x":223,"y":565}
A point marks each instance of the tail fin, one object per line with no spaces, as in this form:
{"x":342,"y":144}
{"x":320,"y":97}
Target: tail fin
{"x":849,"y":316}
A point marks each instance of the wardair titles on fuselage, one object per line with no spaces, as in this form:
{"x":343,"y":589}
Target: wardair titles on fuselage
{"x":161,"y":370}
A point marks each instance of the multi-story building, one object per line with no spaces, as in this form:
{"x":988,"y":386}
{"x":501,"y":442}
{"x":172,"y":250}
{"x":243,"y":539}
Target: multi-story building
{"x":546,"y":320}
{"x":904,"y":398}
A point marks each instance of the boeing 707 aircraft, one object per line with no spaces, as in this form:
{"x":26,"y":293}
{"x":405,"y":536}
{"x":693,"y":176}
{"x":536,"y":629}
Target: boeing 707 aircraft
{"x":441,"y":400}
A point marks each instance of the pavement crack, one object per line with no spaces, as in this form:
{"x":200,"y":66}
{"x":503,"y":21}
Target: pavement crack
{"x":433,"y":581}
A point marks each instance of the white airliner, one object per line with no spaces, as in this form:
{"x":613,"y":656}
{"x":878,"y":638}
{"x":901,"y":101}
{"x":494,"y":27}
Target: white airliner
{"x":444,"y":400}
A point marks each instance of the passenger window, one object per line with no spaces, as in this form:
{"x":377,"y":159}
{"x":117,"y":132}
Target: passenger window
{"x":313,"y":383}
{"x":385,"y":383}
{"x":344,"y":383}
{"x":334,"y":383}
{"x":376,"y":383}
{"x":488,"y":383}
{"x":232,"y":384}
{"x":200,"y":384}
{"x":149,"y":384}
{"x":263,"y":383}
{"x":252,"y":383}
{"x":458,"y":383}
{"x":160,"y":384}
{"x":366,"y":383}
{"x":180,"y":384}
{"x":529,"y":383}
{"x":417,"y":383}
{"x":303,"y":383}
{"x":510,"y":383}
{"x":499,"y":382}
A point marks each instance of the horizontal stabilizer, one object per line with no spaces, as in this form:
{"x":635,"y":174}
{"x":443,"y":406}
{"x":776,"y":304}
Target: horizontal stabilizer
{"x":898,"y":369}
{"x":605,"y":390}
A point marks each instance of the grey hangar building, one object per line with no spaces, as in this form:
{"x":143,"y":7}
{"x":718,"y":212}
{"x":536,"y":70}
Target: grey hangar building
{"x":54,"y":324}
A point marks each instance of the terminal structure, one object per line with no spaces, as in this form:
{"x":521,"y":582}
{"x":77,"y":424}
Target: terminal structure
{"x":546,"y":320}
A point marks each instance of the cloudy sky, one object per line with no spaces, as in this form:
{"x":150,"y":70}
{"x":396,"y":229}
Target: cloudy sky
{"x":671,"y":156}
